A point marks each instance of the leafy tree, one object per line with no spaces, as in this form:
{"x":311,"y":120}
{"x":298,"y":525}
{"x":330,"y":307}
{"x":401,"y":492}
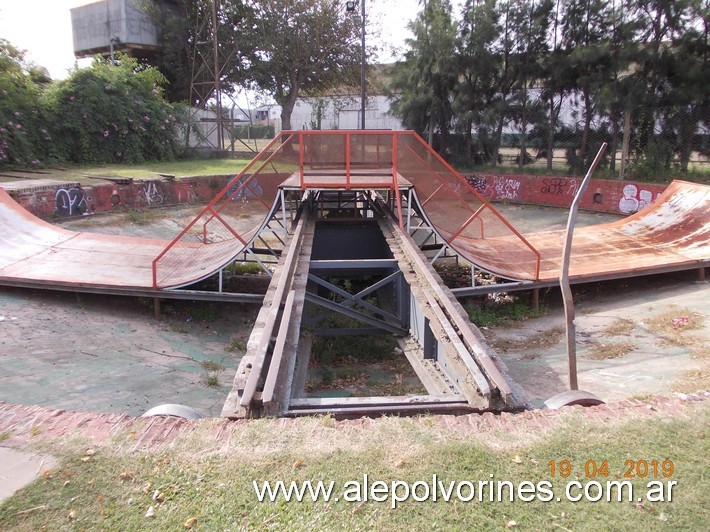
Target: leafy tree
{"x":530,"y":47}
{"x":478,"y":31}
{"x":300,"y":47}
{"x":588,"y":59}
{"x":425,"y":81}
{"x":185,"y":37}
{"x":112,"y":113}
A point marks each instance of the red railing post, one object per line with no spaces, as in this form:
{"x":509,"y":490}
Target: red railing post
{"x":301,"y":149}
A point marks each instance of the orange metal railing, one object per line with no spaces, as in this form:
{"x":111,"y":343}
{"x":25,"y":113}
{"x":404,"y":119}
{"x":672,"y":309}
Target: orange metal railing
{"x":358,"y":159}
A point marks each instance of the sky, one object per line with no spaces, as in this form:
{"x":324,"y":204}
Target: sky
{"x":43,"y":29}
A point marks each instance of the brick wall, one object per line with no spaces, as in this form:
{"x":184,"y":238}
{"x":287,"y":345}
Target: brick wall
{"x":74,"y":199}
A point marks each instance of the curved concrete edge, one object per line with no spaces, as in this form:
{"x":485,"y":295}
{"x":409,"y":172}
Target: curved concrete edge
{"x":174,"y":410}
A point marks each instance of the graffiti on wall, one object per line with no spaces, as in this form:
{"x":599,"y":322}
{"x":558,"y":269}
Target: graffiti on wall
{"x":71,"y":201}
{"x":634,"y":199}
{"x":477,"y":182}
{"x":557,"y":186}
{"x":506,"y":188}
{"x":149,"y":195}
{"x":250,"y":189}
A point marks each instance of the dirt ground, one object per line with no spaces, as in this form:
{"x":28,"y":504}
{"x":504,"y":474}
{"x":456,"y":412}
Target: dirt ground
{"x":110,"y":354}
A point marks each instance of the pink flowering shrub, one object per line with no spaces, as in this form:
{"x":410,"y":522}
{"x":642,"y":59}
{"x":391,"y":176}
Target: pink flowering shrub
{"x":101,"y":114}
{"x":93,"y":124}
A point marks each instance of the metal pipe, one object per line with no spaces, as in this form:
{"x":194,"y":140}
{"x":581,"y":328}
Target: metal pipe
{"x":564,"y":274}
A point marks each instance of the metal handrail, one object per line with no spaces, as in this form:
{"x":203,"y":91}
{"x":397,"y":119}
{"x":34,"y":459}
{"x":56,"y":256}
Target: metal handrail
{"x":484,"y":201}
{"x":209,"y":206}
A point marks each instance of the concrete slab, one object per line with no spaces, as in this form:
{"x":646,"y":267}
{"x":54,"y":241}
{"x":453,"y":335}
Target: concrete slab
{"x":19,"y":468}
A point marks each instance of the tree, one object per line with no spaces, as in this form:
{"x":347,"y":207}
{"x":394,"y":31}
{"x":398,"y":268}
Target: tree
{"x":588,"y":59}
{"x":300,"y":46}
{"x":185,"y":37}
{"x":530,"y":47}
{"x":478,"y":31}
{"x":425,"y":81}
{"x":662,"y":24}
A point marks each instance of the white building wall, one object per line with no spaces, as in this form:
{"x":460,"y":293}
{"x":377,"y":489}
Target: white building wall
{"x":343,"y":112}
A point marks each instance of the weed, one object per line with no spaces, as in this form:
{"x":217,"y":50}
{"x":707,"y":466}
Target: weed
{"x":621,"y":327}
{"x":212,"y":381}
{"x":211,"y":365}
{"x":606,"y":351}
{"x":694,"y":380}
{"x":142,"y":217}
{"x":5,"y":435}
{"x":178,"y":328}
{"x":327,"y":376}
{"x":674,"y":323}
{"x":236,"y":346}
{"x":539,"y":340}
{"x":204,"y":312}
{"x":342,"y":350}
{"x":492,"y":314}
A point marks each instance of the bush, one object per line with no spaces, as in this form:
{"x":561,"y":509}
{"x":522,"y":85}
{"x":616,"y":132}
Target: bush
{"x":113,"y":113}
{"x":22,"y":130}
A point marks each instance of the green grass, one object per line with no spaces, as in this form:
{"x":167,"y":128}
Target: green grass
{"x":203,"y":480}
{"x":152,"y":170}
{"x":244,"y":268}
{"x":492,"y":314}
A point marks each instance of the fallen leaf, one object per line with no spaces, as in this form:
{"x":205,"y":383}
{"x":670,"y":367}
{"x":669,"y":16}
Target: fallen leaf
{"x":663,"y":517}
{"x":71,"y":515}
{"x":298,"y":463}
{"x":86,"y":459}
{"x":511,"y":524}
{"x":150,"y":512}
{"x":400,"y":463}
{"x":190,"y":522}
{"x":126,"y":475}
{"x":47,"y":474}
{"x":91,"y":452}
{"x":517,"y":460}
{"x":158,"y":496}
{"x":146,"y":487}
{"x":66,"y":483}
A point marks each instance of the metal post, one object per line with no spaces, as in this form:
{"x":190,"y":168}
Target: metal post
{"x":363,"y":96}
{"x":564,"y":274}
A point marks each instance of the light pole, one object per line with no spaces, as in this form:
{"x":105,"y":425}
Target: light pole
{"x":363,"y":95}
{"x":350,"y":7}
